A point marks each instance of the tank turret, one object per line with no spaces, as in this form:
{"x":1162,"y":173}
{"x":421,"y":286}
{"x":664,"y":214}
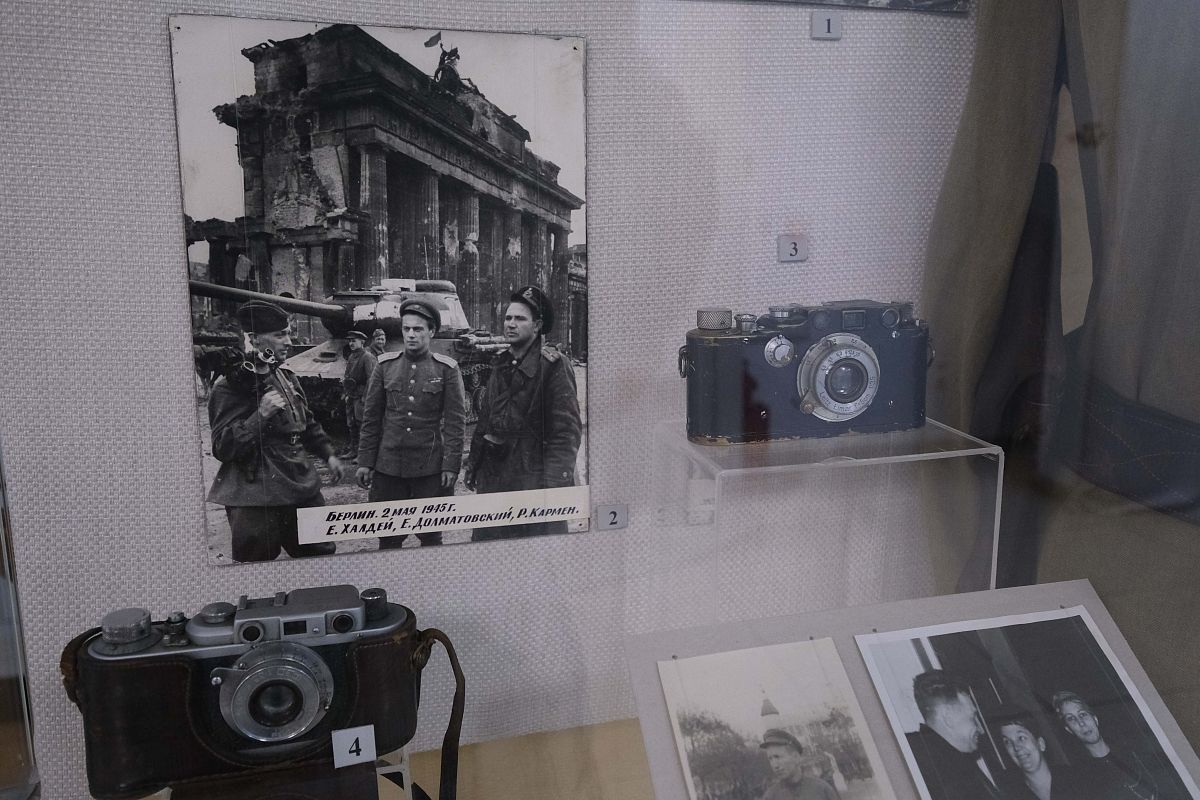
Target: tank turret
{"x":361,"y":310}
{"x":322,"y":366}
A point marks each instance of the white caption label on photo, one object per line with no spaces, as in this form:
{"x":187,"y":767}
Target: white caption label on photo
{"x":428,"y":514}
{"x":353,"y":746}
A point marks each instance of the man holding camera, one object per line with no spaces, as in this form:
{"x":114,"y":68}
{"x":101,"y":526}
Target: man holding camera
{"x":414,"y":420}
{"x":262,"y":433}
{"x":529,"y":426}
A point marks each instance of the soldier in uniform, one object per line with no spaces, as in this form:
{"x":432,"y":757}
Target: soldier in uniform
{"x":529,"y":427}
{"x":262,"y":433}
{"x":378,"y":342}
{"x":359,"y":365}
{"x":414,"y":420}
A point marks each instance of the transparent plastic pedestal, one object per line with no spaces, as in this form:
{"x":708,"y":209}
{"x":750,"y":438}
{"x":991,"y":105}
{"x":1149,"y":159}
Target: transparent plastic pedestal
{"x":820,"y":523}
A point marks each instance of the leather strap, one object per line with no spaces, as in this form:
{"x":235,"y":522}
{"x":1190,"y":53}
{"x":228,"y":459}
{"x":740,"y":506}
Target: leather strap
{"x":449,"y":780}
{"x":68,"y":664}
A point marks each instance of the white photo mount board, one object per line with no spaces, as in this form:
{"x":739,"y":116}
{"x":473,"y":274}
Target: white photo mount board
{"x":842,"y":625}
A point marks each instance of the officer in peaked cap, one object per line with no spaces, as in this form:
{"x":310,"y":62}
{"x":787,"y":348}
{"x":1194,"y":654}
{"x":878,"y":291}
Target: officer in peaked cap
{"x":262,"y":430}
{"x":784,"y":755}
{"x":414,"y":420}
{"x":529,"y":427}
{"x":360,"y":363}
{"x":780,"y":737}
{"x":422,"y":308}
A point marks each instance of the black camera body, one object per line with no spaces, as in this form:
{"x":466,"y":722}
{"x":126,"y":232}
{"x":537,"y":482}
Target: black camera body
{"x":258,"y":685}
{"x":804,"y":372}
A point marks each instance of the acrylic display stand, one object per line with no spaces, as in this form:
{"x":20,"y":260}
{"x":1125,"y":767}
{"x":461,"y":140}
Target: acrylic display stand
{"x":841,"y":521}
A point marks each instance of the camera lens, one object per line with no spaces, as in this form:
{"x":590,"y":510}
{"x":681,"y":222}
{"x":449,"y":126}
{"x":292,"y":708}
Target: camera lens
{"x":275,"y":691}
{"x":275,"y":704}
{"x":846,"y":380}
{"x":838,"y":378}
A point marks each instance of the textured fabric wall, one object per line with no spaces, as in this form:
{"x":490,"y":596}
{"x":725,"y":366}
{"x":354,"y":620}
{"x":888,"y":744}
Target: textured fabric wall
{"x":711,"y":128}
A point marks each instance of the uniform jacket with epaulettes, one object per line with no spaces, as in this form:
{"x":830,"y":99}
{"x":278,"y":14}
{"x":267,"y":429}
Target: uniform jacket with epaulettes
{"x":414,"y":416}
{"x":531,"y":404}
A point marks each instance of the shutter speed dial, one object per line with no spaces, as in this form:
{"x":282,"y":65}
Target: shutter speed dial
{"x":779,"y":352}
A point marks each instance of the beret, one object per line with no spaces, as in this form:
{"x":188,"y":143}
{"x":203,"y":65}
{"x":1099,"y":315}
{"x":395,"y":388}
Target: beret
{"x":259,"y":316}
{"x":538,"y":302}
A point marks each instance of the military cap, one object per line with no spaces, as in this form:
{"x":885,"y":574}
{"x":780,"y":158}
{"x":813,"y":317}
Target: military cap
{"x":776,"y":736}
{"x":259,"y":316}
{"x":362,"y":337}
{"x":538,"y":303}
{"x":378,"y":331}
{"x":422,"y":308}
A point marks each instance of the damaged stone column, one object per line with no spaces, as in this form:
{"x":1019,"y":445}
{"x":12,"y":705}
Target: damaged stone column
{"x":450,"y":237}
{"x":512,"y":271}
{"x":428,"y":246}
{"x":491,"y":266}
{"x":373,"y":236}
{"x":559,"y":288}
{"x":468,"y":278}
{"x":539,"y":263}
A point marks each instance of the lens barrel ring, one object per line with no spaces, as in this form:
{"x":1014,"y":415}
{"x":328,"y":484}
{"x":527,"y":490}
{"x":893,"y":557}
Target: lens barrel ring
{"x":289,"y":664}
{"x":837,"y":351}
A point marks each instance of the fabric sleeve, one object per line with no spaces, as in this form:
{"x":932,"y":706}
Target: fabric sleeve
{"x":374,"y":404}
{"x":562,"y":425}
{"x":235,"y":423}
{"x":454,"y":421}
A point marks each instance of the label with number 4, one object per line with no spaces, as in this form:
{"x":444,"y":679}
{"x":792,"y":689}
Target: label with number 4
{"x":353,"y":746}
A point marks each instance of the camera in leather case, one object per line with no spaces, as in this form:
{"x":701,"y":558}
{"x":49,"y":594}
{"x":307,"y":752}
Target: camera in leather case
{"x":804,"y":371}
{"x":253,"y":686}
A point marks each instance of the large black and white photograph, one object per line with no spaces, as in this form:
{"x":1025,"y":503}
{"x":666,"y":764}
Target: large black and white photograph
{"x":387,"y":262}
{"x":778,"y":722}
{"x":1028,"y":707}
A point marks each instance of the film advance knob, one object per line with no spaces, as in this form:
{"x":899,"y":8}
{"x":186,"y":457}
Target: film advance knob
{"x":714,"y":319}
{"x":125,"y":626}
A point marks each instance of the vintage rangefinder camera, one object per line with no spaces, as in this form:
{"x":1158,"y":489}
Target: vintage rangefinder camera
{"x":256,"y":685}
{"x":804,"y":371}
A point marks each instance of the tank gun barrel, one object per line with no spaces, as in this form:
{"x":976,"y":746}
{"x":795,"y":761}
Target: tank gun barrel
{"x":341,"y":317}
{"x":476,"y":340}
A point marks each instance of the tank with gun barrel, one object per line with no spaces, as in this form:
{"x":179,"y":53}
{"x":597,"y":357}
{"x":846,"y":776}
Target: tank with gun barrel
{"x":320,"y":368}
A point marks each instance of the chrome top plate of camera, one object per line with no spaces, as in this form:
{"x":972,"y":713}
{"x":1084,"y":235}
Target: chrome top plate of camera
{"x":327,"y":615}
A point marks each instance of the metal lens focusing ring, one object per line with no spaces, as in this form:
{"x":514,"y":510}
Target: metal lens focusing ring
{"x":838,"y":378}
{"x":276,"y":692}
